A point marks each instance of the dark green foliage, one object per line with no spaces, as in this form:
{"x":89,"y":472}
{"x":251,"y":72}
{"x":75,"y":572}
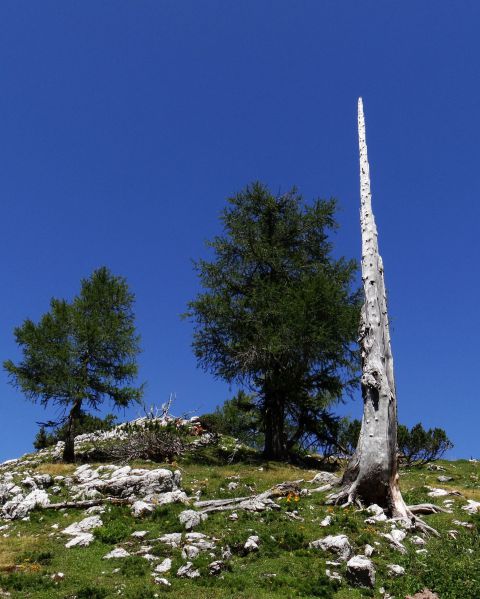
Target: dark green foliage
{"x":277,"y":312}
{"x":238,"y":417}
{"x":418,"y":446}
{"x":91,"y":592}
{"x":349,"y":431}
{"x":25,"y":581}
{"x":117,"y":525}
{"x":135,"y":566}
{"x":86,"y":423}
{"x":42,"y":558}
{"x":146,"y":592}
{"x":82,"y":352}
{"x":318,"y":586}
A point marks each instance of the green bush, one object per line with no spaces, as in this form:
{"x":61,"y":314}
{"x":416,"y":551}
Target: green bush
{"x":117,"y":525}
{"x":86,"y":424}
{"x":134,"y":566}
{"x":238,"y":417}
{"x":91,"y":592}
{"x":418,"y":446}
{"x":25,"y":581}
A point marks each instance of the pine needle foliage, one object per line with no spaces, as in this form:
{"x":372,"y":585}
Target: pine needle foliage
{"x":82,"y":352}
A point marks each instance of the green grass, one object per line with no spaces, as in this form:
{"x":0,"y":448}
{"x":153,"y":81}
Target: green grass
{"x":284,"y":567}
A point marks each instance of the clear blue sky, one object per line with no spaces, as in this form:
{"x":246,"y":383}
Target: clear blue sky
{"x":125,"y":125}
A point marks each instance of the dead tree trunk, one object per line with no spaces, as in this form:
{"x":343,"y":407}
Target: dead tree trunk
{"x":372,"y":473}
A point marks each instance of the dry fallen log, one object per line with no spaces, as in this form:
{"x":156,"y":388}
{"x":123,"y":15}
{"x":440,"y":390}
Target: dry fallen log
{"x":87,"y":503}
{"x":253,"y":502}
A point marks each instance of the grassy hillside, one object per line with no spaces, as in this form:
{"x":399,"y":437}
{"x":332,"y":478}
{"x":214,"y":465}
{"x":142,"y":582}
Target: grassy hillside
{"x":33,"y":553}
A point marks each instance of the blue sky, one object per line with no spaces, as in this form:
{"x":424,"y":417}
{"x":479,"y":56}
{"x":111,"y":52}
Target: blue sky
{"x":125,"y":125}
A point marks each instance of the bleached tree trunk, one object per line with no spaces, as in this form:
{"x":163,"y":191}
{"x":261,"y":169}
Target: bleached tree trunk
{"x":372,"y":473}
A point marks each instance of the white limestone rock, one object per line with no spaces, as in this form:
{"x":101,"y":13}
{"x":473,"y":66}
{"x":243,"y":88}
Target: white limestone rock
{"x":84,"y":525}
{"x":188,"y":571}
{"x":333,"y":575}
{"x":190,"y":518}
{"x":165,"y":566}
{"x":472,"y":506}
{"x":172,"y":539}
{"x":161,"y":581}
{"x":324,"y":478}
{"x":20,"y":506}
{"x":360,"y":571}
{"x":338,"y":544}
{"x":252,"y":543}
{"x":117,"y":553}
{"x":438,"y":493}
{"x":141,"y":508}
{"x":190,"y":552}
{"x":395,"y":570}
{"x":82,"y":540}
{"x":139,"y":534}
{"x":216,"y":567}
{"x":368,"y":551}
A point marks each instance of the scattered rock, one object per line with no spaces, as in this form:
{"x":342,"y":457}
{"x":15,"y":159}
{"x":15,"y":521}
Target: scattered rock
{"x":20,"y":506}
{"x":333,"y":575}
{"x":82,"y":540}
{"x":462,"y":523}
{"x":338,"y":544}
{"x":188,"y":571}
{"x":77,"y":528}
{"x":252,"y":544}
{"x":326,"y":521}
{"x":438,"y":493}
{"x":425,"y":594}
{"x":368,"y":551}
{"x":418,"y":540}
{"x":57,"y":576}
{"x":161,"y":581}
{"x":190,"y":552}
{"x":215,"y":568}
{"x":375,"y":509}
{"x":139,"y":534}
{"x":325,"y":478}
{"x":233,"y":516}
{"x":360,"y":571}
{"x":141,"y":508}
{"x":472,"y":506}
{"x":173,"y":539}
{"x":118,"y":552}
{"x":165,"y":566}
{"x":444,"y":479}
{"x":395,"y":570}
{"x":190,"y":518}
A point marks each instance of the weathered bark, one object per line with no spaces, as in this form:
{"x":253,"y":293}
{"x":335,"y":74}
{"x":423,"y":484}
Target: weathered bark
{"x":69,"y":447}
{"x":372,"y":473}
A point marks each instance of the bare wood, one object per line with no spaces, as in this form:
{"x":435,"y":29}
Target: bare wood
{"x":371,"y":475}
{"x":87,"y":503}
{"x":426,"y":508}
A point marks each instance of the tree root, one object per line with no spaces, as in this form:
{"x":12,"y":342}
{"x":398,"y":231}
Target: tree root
{"x":346,"y":497}
{"x":426,"y":508}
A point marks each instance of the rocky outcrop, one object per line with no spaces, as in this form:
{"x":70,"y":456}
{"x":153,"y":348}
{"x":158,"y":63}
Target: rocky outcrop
{"x":338,"y":544}
{"x":360,"y":571}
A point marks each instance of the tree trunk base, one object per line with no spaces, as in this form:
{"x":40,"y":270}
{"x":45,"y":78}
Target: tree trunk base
{"x":394,"y":506}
